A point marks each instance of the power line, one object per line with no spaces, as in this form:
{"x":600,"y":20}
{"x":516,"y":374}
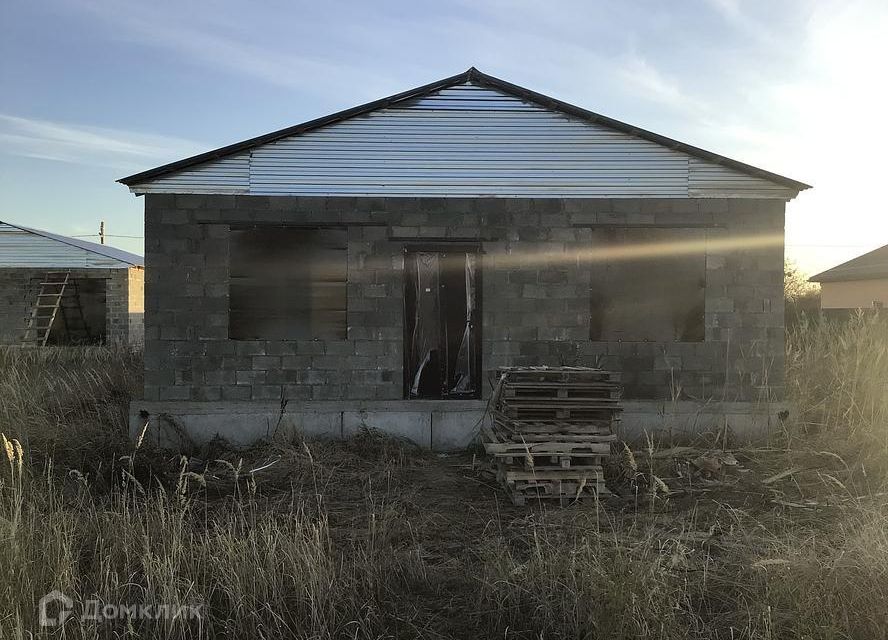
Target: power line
{"x":107,"y":235}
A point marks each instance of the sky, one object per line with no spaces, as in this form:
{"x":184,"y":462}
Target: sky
{"x":94,"y":90}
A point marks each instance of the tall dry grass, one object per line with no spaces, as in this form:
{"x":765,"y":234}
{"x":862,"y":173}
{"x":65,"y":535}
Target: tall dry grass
{"x":81,"y":512}
{"x":69,"y":403}
{"x":837,"y":379}
{"x":255,"y":573}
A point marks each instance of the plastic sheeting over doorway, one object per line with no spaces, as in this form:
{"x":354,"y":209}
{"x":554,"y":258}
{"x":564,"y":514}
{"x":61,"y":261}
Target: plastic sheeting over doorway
{"x":441,"y":327}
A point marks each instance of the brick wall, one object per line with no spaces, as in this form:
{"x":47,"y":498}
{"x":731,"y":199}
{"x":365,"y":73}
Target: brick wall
{"x":535,"y":297}
{"x":136,"y":305}
{"x":18,"y":293}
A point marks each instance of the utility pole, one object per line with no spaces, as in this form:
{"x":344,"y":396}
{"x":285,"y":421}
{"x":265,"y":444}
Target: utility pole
{"x":102,"y":232}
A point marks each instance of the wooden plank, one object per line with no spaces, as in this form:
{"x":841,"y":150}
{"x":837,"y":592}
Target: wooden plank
{"x":558,"y":374}
{"x":545,"y":402}
{"x":505,"y":436}
{"x":556,"y":413}
{"x":587,"y":470}
{"x":560,"y":390}
{"x":513,"y":423}
{"x":550,"y":448}
{"x":579,"y":428}
{"x":569,"y":384}
{"x":590,"y":494}
{"x":508,"y":432}
{"x":565,"y":438}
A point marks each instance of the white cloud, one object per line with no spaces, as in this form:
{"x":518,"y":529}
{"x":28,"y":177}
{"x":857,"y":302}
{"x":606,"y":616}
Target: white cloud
{"x":639,"y":77}
{"x":80,"y":144}
{"x":215,"y":40}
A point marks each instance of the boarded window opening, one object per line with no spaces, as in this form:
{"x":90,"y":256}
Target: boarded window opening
{"x":287,"y":284}
{"x":649,"y":287}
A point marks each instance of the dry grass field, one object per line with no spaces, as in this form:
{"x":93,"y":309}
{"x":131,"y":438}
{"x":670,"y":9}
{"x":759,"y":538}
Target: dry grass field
{"x":372,"y":538}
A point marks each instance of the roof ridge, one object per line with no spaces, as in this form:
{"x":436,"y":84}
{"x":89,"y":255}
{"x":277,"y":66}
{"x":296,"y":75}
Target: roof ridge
{"x":475,"y":76}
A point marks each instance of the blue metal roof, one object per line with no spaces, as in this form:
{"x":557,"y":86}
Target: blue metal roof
{"x":111,"y":255}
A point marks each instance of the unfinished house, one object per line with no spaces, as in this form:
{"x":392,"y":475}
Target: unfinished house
{"x":376,"y":267}
{"x":57,"y":290}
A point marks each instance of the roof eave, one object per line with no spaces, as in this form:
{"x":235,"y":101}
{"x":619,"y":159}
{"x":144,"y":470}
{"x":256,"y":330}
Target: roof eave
{"x":826,"y":276}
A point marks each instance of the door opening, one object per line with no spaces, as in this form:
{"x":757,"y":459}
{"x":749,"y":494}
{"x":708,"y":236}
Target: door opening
{"x":442,"y":355}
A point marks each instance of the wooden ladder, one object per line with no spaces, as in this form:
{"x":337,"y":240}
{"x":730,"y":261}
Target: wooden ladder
{"x":57,"y":289}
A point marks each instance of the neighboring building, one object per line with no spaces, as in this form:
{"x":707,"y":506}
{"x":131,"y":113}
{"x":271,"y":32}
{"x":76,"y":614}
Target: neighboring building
{"x":376,"y":266}
{"x":860,"y":283}
{"x":109,"y":285}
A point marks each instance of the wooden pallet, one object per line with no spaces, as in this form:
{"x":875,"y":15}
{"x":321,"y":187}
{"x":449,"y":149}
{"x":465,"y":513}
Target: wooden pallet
{"x":565,"y":493}
{"x":566,"y":414}
{"x":507,"y":433}
{"x":505,"y":425}
{"x":597,"y":444}
{"x":545,"y":461}
{"x":540,"y":391}
{"x":572,"y":474}
{"x":550,"y":431}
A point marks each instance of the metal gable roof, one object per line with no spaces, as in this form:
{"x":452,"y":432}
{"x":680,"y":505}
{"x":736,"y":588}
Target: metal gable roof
{"x":473,"y":76}
{"x":866,"y":267}
{"x":111,"y":253}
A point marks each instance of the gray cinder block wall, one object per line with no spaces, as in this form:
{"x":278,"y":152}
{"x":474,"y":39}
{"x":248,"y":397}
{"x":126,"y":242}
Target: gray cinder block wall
{"x":529,"y":315}
{"x":123,"y":301}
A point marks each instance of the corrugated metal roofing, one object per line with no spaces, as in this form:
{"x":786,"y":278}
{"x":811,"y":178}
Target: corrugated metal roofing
{"x":26,"y":247}
{"x":866,"y":267}
{"x":470,"y":135}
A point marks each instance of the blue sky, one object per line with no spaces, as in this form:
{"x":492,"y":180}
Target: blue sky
{"x":93,"y":90}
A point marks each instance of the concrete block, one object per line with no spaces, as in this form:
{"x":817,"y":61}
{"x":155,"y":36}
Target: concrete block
{"x":340,"y":348}
{"x":296,"y":392}
{"x":415,"y":426}
{"x":296,"y":362}
{"x":719,"y":305}
{"x":453,"y":430}
{"x":250,"y":348}
{"x":266,"y":363}
{"x":683,"y":420}
{"x":236,"y":392}
{"x":327,"y":392}
{"x":174,"y":393}
{"x":267,"y":392}
{"x":280,"y":348}
{"x":206,"y":393}
{"x":250,"y":377}
{"x":311,"y":424}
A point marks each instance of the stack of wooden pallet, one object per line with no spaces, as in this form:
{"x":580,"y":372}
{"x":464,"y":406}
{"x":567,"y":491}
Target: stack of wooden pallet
{"x":550,"y":430}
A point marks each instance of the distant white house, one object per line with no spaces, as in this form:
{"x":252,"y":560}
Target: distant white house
{"x":101,"y":302}
{"x":860,"y":283}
